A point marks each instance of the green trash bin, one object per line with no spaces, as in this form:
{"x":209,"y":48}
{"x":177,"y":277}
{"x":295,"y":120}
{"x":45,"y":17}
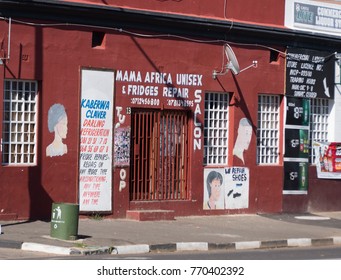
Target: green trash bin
{"x":64,"y":221}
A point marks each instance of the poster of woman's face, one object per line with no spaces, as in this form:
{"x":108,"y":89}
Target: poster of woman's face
{"x":214,"y":189}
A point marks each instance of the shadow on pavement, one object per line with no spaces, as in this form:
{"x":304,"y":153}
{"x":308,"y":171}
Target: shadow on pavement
{"x":15,"y":223}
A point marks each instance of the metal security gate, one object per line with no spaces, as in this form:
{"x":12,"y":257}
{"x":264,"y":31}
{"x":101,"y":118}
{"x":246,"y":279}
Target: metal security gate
{"x":159,"y":162}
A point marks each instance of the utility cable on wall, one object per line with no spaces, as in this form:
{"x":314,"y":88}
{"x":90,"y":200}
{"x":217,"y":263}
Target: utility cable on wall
{"x":9,"y":41}
{"x":141,"y":35}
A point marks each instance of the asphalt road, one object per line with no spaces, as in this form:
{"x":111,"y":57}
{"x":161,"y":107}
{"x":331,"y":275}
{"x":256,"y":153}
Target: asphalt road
{"x":317,"y":263}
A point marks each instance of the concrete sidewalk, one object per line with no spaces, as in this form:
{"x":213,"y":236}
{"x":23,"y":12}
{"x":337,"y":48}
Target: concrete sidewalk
{"x":228,"y":232}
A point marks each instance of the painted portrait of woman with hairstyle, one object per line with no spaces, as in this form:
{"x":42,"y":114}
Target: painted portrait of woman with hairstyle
{"x":215,"y":191}
{"x":57,"y":124}
{"x":243,"y":139}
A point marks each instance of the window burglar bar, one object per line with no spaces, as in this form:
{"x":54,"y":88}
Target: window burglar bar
{"x":216,"y":128}
{"x":19,"y":122}
{"x":318,"y":122}
{"x":268,"y":129}
{"x":159,"y":155}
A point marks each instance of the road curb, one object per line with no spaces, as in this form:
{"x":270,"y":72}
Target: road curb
{"x":10,"y":244}
{"x":337,"y":240}
{"x":191,"y":246}
{"x":37,"y":247}
{"x":206,"y":246}
{"x":171,"y":247}
{"x":248,"y":245}
{"x":131,"y":249}
{"x":299,"y":242}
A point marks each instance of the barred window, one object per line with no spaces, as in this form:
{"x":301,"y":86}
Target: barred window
{"x":19,"y":122}
{"x":216,"y":128}
{"x":319,"y":117}
{"x":268,"y":129}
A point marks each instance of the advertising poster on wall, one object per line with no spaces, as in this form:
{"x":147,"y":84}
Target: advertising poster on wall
{"x":296,"y":145}
{"x":296,"y":177}
{"x":328,"y":160}
{"x":122,"y":147}
{"x":298,"y":111}
{"x":95,"y":161}
{"x":226,"y":188}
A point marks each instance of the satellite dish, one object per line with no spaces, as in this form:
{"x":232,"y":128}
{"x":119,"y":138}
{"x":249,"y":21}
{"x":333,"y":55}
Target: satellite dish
{"x":232,"y":64}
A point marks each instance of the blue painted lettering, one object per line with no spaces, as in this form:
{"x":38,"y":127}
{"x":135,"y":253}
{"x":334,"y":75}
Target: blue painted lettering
{"x":95,"y":104}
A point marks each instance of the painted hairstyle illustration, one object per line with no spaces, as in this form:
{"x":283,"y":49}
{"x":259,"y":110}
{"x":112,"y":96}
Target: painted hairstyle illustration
{"x":57,"y":124}
{"x":213,"y":175}
{"x":243,"y":139}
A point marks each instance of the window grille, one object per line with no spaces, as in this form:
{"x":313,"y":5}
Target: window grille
{"x":216,"y":128}
{"x":319,"y":117}
{"x":268,"y":129}
{"x":19,"y":122}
